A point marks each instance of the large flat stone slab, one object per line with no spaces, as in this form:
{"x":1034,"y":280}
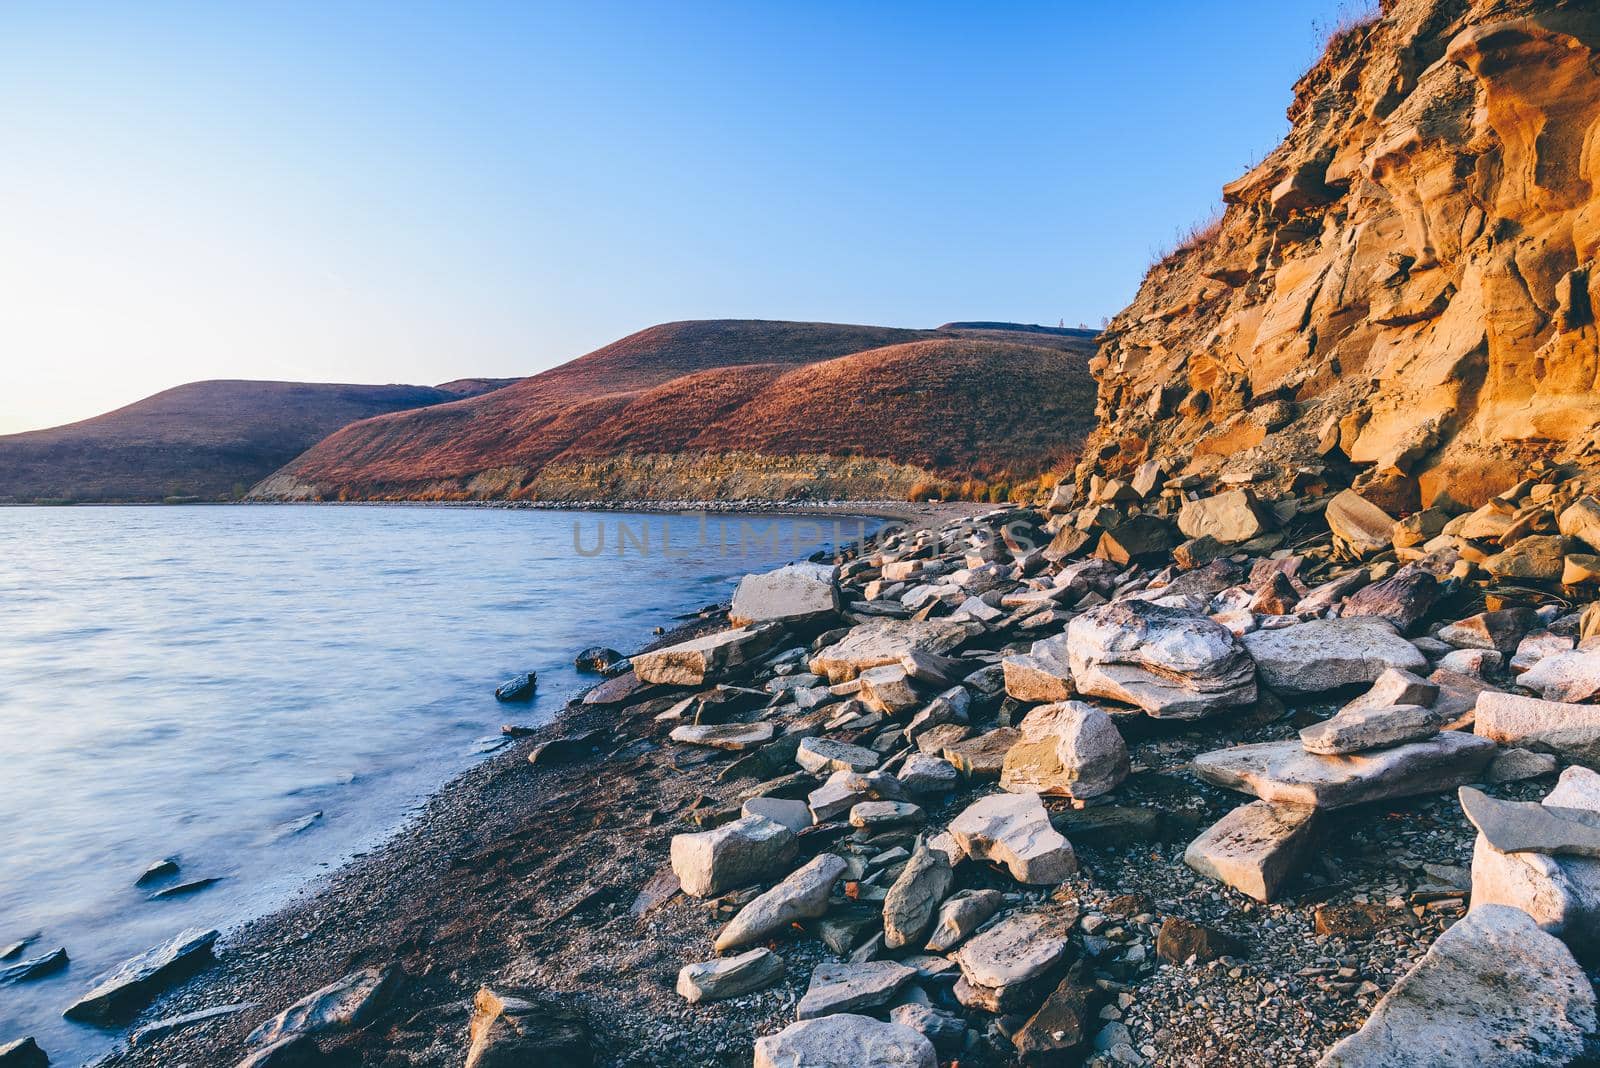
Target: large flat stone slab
{"x":1569,"y":731}
{"x":848,"y":987}
{"x":1491,"y":990}
{"x":1285,"y":772}
{"x":1001,"y":966}
{"x":1532,"y":827}
{"x":1172,"y":663}
{"x":1330,"y":654}
{"x":794,"y":593}
{"x":1254,"y":848}
{"x":845,"y":1040}
{"x":701,"y":660}
{"x":886,"y":641}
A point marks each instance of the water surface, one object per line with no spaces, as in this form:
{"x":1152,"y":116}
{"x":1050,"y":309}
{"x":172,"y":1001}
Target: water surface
{"x":201,"y":681}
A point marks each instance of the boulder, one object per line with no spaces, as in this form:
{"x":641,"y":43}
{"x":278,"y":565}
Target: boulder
{"x":946,"y":1030}
{"x":744,"y":851}
{"x":1285,"y":772}
{"x":824,"y":756}
{"x":344,"y":1004}
{"x":1561,"y":893}
{"x":729,"y":977}
{"x":982,"y":757}
{"x":598,"y":660}
{"x":1492,"y":989}
{"x":795,"y":815}
{"x":1141,"y":539}
{"x":1570,"y":731}
{"x":1568,"y":676}
{"x":1001,"y":968}
{"x":1359,"y":525}
{"x":1538,"y":558}
{"x":1014,"y":830}
{"x":1517,"y":765}
{"x":1501,"y":631}
{"x":801,"y":896}
{"x":1395,"y":686}
{"x":1254,"y":848}
{"x":1581,"y":520}
{"x":1330,"y":654}
{"x":701,"y":660}
{"x":795,"y":593}
{"x":843,"y":790}
{"x":724,"y":735}
{"x":121,"y":993}
{"x":1180,"y":941}
{"x":509,"y":1030}
{"x":1071,"y":749}
{"x":922,"y":775}
{"x":1062,"y":1023}
{"x":887,"y":688}
{"x":1403,"y":598}
{"x":915,"y":896}
{"x":1532,"y":827}
{"x":1369,"y":728}
{"x":23,"y":1053}
{"x":845,"y":1040}
{"x":848,"y":987}
{"x":1169,"y":662}
{"x":1043,"y":673}
{"x":1230,"y":518}
{"x":960,"y":915}
{"x":517,"y":687}
{"x":885,"y":641}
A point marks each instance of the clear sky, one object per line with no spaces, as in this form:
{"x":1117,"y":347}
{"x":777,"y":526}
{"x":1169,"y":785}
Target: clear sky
{"x":413,"y":192}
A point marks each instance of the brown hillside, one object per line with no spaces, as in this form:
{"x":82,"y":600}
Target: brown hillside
{"x":723,"y":387}
{"x":210,"y":440}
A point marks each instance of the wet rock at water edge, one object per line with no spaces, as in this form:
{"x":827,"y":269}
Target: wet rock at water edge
{"x":349,"y":1002}
{"x":34,"y":967}
{"x":165,"y":868}
{"x":511,"y":1029}
{"x":598,"y":660}
{"x":130,"y":987}
{"x":518,"y":687}
{"x":23,"y":1053}
{"x":845,"y":1040}
{"x":170,"y":1025}
{"x":729,"y":977}
{"x":184,"y":889}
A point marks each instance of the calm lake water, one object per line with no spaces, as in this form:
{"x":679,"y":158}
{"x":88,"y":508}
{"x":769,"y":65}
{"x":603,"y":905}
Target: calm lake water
{"x":200,"y":681}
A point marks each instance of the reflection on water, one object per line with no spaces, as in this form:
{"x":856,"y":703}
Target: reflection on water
{"x":198,"y":681}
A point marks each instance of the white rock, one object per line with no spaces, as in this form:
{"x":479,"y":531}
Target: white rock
{"x":701,"y":660}
{"x":844,"y":789}
{"x":845,"y":1040}
{"x":915,"y":896}
{"x":795,"y":815}
{"x":1396,"y":686}
{"x":348,"y":1002}
{"x":1071,"y":749}
{"x":1491,"y":990}
{"x":1570,"y":731}
{"x":922,"y":774}
{"x":875,"y":815}
{"x":823,"y":756}
{"x":960,"y":915}
{"x":1255,"y":847}
{"x":793,"y":593}
{"x":724,"y":735}
{"x":744,"y":851}
{"x":847,"y":987}
{"x":729,"y":977}
{"x":1369,"y":728}
{"x":1014,"y":830}
{"x":1562,"y":894}
{"x":1171,"y":663}
{"x":1285,"y":772}
{"x":999,"y":966}
{"x":1565,"y":676}
{"x":887,"y":688}
{"x":801,"y":896}
{"x":886,"y":641}
{"x":1329,"y":654}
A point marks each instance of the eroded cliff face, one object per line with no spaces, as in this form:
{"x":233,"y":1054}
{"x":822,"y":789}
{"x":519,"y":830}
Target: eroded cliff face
{"x":1399,"y":293}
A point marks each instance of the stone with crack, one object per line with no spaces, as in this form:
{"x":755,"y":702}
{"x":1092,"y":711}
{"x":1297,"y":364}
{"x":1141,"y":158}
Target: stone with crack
{"x":1071,"y":749}
{"x":1171,"y":663}
{"x":744,"y":851}
{"x":1255,"y":847}
{"x":1014,"y":830}
{"x":803,"y":895}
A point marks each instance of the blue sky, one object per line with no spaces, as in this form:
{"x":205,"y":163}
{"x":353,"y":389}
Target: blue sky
{"x":421,"y":191}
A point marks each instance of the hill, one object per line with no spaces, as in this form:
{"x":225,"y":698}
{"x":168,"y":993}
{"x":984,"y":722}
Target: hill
{"x":210,"y":440}
{"x":729,"y":408}
{"x":1403,"y":286}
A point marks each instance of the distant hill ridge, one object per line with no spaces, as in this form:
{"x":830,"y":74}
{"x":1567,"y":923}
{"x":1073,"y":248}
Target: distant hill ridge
{"x":732,"y":408}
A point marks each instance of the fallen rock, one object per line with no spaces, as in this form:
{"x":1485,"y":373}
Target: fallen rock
{"x":960,"y":915}
{"x":344,"y":1004}
{"x":843,"y":790}
{"x":510,"y":1030}
{"x":734,"y":736}
{"x":517,"y":687}
{"x":1561,"y":893}
{"x":1581,"y":520}
{"x":1369,"y":728}
{"x":1492,"y":989}
{"x":1043,"y":673}
{"x":795,"y":593}
{"x":1180,"y":941}
{"x":1071,"y":749}
{"x":1403,"y":598}
{"x":1254,"y":848}
{"x":795,"y":815}
{"x":23,"y":1053}
{"x":879,"y":815}
{"x":1515,"y":765}
{"x":1359,"y":525}
{"x":1001,"y":968}
{"x":1501,"y":631}
{"x":729,"y":977}
{"x":1014,"y":830}
{"x":1061,"y":1025}
{"x":1570,"y":677}
{"x":1396,"y":687}
{"x":171,"y":1025}
{"x":1570,"y":731}
{"x":1330,"y":654}
{"x":1285,"y":772}
{"x":946,"y":1030}
{"x":1169,"y":662}
{"x":922,"y":775}
{"x":744,"y":851}
{"x":701,"y":660}
{"x":34,"y":967}
{"x":597,"y":659}
{"x":823,"y":756}
{"x":845,"y":1040}
{"x":1230,"y":518}
{"x":803,"y":895}
{"x":129,"y":988}
{"x":915,"y":896}
{"x":1538,"y":558}
{"x":847,"y":987}
{"x":885,"y":641}
{"x":983,"y":757}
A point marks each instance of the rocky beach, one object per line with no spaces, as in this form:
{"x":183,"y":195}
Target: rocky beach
{"x":1163,"y":780}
